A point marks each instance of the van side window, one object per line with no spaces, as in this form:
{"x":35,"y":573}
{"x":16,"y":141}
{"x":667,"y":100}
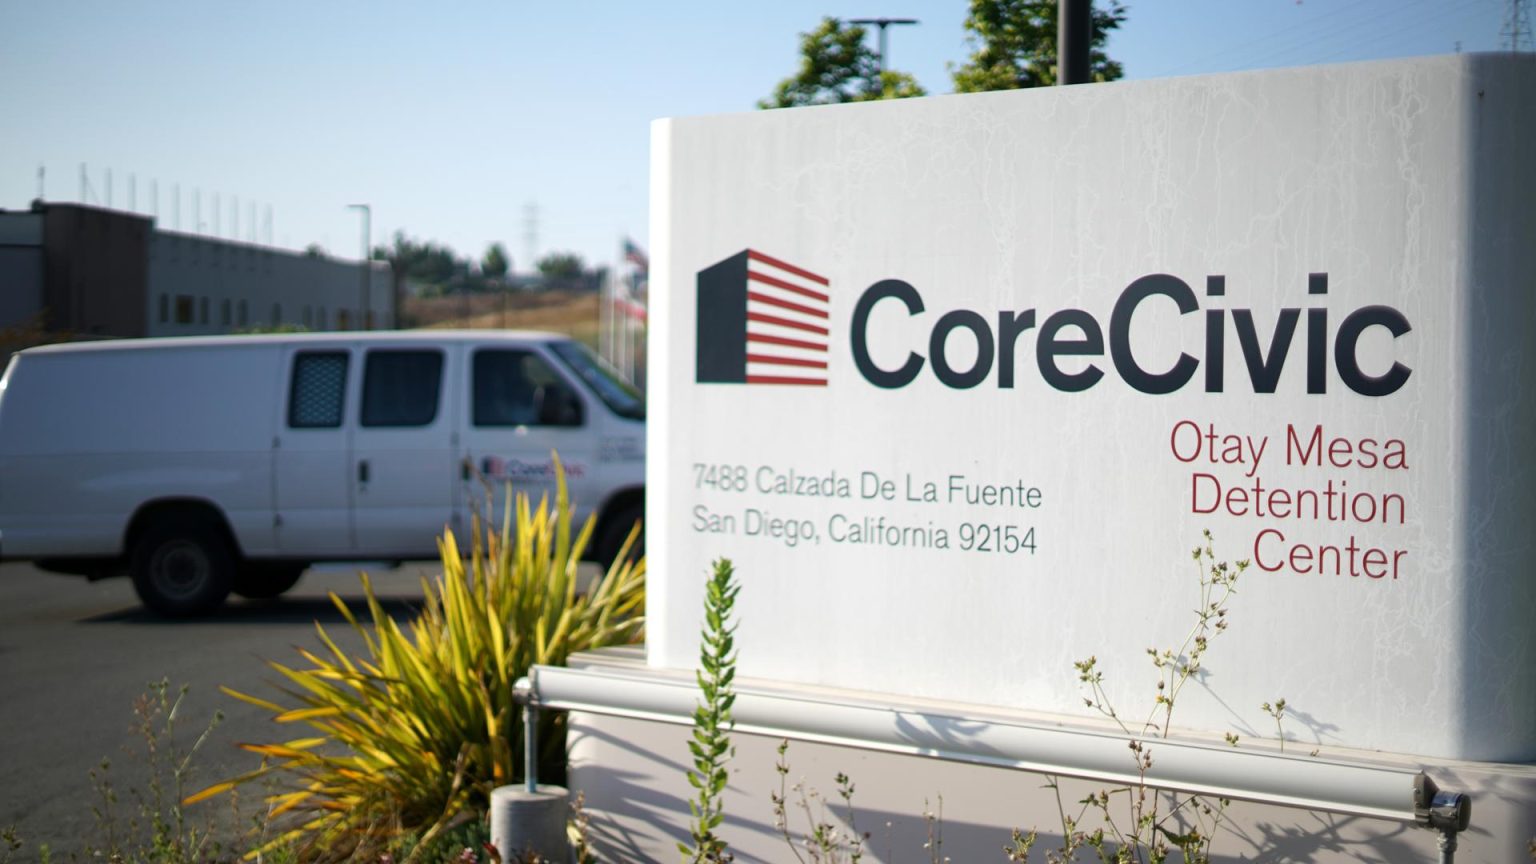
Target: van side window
{"x":518,"y":388}
{"x":318,"y":388}
{"x":401,"y":387}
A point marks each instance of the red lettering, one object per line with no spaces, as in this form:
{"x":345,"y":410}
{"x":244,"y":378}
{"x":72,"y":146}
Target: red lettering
{"x":1173,"y":440}
{"x":1258,"y":556}
{"x":1367,"y":457}
{"x":1194,"y":493}
{"x":1292,"y":445}
{"x":1339,"y":452}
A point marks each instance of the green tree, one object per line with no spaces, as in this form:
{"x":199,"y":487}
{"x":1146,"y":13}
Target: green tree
{"x":495,"y":263}
{"x":1015,"y":44}
{"x":836,"y":66}
{"x":561,"y":266}
{"x":427,"y":262}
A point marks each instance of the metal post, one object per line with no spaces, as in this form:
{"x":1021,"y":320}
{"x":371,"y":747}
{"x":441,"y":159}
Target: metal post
{"x":1447,"y":847}
{"x":883,"y":23}
{"x":1448,"y":813}
{"x":530,"y":819}
{"x":530,"y":744}
{"x":1074,"y":41}
{"x":362,"y":311}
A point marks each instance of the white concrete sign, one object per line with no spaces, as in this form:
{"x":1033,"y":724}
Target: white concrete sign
{"x":958,"y":383}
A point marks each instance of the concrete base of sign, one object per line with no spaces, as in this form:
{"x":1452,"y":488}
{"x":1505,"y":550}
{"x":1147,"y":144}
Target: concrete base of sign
{"x":524,"y":822}
{"x":632,"y":772}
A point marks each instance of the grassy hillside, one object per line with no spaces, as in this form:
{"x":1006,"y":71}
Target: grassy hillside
{"x":562,"y":312}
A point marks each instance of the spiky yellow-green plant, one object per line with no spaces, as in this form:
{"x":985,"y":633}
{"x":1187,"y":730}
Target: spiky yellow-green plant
{"x":418,"y":728}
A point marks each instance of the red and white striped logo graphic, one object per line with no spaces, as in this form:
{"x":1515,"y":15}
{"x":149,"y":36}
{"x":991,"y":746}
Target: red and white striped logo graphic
{"x":787,"y":323}
{"x":762,"y":320}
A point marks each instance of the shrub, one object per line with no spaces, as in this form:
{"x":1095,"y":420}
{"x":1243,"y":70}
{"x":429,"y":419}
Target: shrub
{"x":412,"y":736}
{"x":712,"y":721}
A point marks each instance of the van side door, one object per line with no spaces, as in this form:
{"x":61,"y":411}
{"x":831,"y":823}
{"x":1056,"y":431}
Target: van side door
{"x":311,"y":476}
{"x":404,"y":470}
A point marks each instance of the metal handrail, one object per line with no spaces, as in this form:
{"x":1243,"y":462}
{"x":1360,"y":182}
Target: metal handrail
{"x":1338,"y":786}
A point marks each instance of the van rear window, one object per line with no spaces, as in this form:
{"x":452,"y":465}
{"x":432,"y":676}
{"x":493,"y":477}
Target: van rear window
{"x":401,"y":388}
{"x":319,"y":386}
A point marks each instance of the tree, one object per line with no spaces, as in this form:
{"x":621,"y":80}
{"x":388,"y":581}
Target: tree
{"x":423,"y":262}
{"x":1015,"y":42}
{"x":495,"y":263}
{"x":561,"y":266}
{"x":836,"y":66}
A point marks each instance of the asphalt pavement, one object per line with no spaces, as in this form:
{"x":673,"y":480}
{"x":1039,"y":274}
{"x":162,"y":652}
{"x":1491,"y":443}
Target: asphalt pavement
{"x":75,"y":655}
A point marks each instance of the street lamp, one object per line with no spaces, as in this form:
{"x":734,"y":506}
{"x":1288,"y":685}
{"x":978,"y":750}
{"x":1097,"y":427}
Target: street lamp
{"x":883,"y":23}
{"x":362,"y":310}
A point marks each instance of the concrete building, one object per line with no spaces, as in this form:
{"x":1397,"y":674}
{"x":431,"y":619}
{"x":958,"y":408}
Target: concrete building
{"x":106,"y":273}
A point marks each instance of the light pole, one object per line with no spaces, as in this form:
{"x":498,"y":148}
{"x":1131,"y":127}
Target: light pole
{"x":883,"y":23}
{"x":362,"y":309}
{"x":1074,"y":41}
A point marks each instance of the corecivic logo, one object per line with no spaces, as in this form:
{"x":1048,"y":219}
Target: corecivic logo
{"x":761,"y":321}
{"x":1077,"y":333}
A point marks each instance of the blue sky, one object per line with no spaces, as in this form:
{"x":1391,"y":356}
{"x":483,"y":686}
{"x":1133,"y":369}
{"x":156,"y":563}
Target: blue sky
{"x":450,"y":119}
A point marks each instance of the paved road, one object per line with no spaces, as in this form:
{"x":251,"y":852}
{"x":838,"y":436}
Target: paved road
{"x":74,"y":656}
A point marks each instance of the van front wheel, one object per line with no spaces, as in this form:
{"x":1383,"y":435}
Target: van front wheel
{"x":183,"y":568}
{"x":616,"y":532}
{"x":264,"y":581}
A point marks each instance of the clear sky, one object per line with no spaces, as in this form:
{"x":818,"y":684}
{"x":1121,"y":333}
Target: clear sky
{"x":450,"y":119}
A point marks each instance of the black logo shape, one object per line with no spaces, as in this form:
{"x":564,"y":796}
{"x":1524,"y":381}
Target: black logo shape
{"x":761,"y":321}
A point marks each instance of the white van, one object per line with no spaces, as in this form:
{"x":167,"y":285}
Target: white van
{"x":231,"y":463}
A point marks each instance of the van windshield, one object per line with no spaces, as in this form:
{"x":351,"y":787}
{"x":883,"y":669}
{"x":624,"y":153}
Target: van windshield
{"x":617,"y":393}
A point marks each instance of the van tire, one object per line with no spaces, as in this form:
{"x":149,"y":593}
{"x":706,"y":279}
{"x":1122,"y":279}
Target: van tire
{"x":182,"y":568}
{"x":264,"y":581}
{"x":616,"y":531}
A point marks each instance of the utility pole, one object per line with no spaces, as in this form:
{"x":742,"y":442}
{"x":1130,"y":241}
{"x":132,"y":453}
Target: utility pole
{"x":362,"y":310}
{"x":530,"y":234}
{"x":883,"y":23}
{"x":1074,"y":41}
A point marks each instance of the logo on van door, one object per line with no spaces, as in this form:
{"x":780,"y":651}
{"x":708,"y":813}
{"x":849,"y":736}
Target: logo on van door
{"x":762,"y":321}
{"x":497,"y":468}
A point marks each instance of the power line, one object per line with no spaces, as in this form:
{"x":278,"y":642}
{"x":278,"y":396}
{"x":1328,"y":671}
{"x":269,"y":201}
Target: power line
{"x":1243,"y":50}
{"x":1379,"y":37}
{"x":1349,"y":39}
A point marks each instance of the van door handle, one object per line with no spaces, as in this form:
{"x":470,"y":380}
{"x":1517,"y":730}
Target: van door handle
{"x":362,"y":470}
{"x":465,"y":469}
